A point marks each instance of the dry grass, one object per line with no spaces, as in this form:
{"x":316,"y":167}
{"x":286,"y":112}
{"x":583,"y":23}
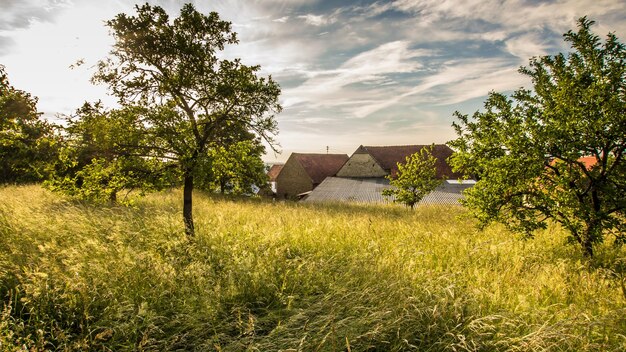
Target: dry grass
{"x":264,"y":276}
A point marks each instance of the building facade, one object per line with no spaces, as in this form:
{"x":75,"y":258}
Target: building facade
{"x":303,"y":172}
{"x":381,"y":161}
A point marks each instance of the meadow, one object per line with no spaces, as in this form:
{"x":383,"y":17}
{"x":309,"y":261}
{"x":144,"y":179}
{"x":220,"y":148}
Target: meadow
{"x":272,"y":276}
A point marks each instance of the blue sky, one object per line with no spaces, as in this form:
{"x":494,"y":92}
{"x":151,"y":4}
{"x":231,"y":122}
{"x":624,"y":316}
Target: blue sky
{"x":351,"y":72}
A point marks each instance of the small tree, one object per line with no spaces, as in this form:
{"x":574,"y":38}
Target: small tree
{"x":95,"y":161}
{"x":172,"y":68}
{"x":235,"y":169}
{"x":556,"y":152}
{"x":27,"y":143}
{"x":415,"y":179}
{"x":85,"y":168}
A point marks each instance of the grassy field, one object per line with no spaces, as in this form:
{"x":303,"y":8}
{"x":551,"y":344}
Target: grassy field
{"x":263,"y":276}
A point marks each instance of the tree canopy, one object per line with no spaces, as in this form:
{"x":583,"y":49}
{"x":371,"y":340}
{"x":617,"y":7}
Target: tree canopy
{"x":556,"y":151}
{"x":99,"y":156}
{"x":27,"y":143}
{"x":415,"y":179}
{"x":195,"y":99}
{"x":236,"y":168}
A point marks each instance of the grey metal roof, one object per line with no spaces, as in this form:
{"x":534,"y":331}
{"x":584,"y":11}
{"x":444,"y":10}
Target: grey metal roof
{"x":369,"y":190}
{"x":446,"y":194}
{"x":337,"y":189}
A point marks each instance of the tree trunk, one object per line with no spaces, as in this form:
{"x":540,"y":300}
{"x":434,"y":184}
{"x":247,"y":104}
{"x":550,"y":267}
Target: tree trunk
{"x":588,"y":238}
{"x":587,"y":248}
{"x":187,"y":205}
{"x":113,"y":197}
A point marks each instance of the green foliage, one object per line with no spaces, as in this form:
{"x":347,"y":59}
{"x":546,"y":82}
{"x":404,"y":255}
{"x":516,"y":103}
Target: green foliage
{"x":235,"y":169}
{"x":196,"y":100}
{"x":27,"y":143}
{"x":277,"y":276}
{"x":101,"y":156}
{"x":528,"y":151}
{"x":415,"y":179}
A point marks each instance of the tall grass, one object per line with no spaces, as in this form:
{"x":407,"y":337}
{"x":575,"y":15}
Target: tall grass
{"x":263,"y":276}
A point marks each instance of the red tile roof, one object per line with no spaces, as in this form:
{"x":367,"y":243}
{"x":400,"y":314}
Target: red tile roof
{"x":388,"y":157}
{"x":320,"y":166}
{"x":588,"y":161}
{"x":274,"y":171}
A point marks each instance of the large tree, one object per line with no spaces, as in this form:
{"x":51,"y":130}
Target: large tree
{"x":27,"y":142}
{"x":173,"y":69}
{"x":556,"y":151}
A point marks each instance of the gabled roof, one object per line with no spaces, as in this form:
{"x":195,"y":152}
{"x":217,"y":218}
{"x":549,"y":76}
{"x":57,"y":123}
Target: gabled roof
{"x":274,"y":171}
{"x":320,"y":166}
{"x":388,"y":157}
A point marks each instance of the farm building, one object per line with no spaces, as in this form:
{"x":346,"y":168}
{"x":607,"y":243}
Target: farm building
{"x":363,"y":177}
{"x":272,"y":174}
{"x":380,"y":161}
{"x":303,"y":172}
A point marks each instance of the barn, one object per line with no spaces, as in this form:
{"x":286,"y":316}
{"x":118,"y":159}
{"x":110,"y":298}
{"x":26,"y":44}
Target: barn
{"x":303,"y":172}
{"x":380,"y":161}
{"x":363,"y":177}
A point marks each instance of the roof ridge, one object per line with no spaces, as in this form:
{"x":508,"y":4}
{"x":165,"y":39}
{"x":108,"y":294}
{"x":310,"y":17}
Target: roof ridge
{"x":400,"y":145}
{"x":296,"y":153}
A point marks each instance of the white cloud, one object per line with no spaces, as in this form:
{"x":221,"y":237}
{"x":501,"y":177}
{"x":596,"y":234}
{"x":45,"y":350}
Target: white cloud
{"x":316,"y":120}
{"x":282,"y":19}
{"x":287,"y":57}
{"x":22,"y":13}
{"x":316,"y":20}
{"x":526,"y":45}
{"x":512,"y":15}
{"x":454,"y":83}
{"x":500,"y":80}
{"x":326,"y":87}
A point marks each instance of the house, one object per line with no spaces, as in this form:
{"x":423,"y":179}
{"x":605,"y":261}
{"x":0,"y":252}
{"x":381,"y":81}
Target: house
{"x":363,"y":177}
{"x":303,"y":172}
{"x":380,"y":161}
{"x":272,"y":174}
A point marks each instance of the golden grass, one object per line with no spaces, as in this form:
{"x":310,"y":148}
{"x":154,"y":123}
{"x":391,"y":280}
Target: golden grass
{"x":265,"y":276}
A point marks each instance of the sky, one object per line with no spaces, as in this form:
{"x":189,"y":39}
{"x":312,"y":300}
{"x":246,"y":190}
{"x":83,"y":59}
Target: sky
{"x":353,"y":72}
